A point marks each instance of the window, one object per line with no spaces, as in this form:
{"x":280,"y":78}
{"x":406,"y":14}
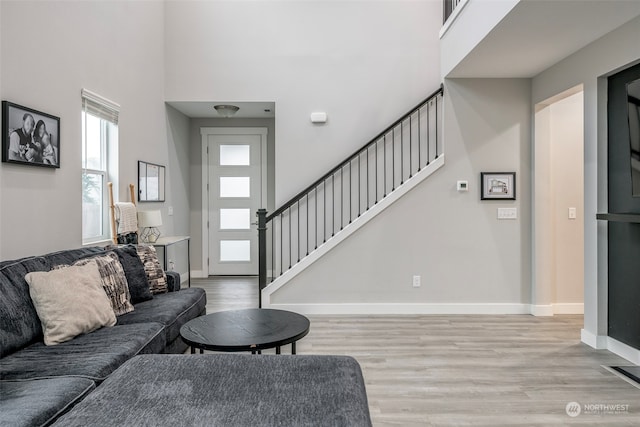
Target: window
{"x":99,"y":164}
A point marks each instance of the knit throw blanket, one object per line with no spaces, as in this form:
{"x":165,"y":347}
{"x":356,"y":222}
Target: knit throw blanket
{"x":126,"y":217}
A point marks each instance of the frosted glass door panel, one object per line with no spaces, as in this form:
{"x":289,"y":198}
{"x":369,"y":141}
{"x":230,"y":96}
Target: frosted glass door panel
{"x":235,"y":219}
{"x":235,"y":250}
{"x":235,"y":186}
{"x":235,"y":155}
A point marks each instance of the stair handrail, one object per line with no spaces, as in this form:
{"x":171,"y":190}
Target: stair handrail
{"x":388,"y":129}
{"x":303,"y":227}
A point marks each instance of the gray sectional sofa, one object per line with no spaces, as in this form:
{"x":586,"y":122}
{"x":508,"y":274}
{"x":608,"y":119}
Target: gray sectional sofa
{"x":39,"y":383}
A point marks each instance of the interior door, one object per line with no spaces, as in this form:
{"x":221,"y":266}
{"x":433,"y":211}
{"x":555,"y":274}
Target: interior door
{"x":235,"y":194}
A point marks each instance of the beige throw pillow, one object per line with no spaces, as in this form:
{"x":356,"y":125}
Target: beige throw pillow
{"x":70,"y":301}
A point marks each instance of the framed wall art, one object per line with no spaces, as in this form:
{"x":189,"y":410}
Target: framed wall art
{"x":497,"y":186}
{"x":30,"y":137}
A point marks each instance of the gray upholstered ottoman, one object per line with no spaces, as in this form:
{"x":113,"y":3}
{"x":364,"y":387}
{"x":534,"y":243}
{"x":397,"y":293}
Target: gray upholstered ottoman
{"x":227,"y":390}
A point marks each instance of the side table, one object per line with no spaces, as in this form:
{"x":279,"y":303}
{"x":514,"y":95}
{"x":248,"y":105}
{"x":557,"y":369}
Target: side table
{"x":172,"y":257}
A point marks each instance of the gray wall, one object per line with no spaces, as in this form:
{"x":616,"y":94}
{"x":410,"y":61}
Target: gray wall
{"x":453,"y":240}
{"x":115,"y":49}
{"x":589,"y":66}
{"x":178,"y":184}
{"x":195,"y":174}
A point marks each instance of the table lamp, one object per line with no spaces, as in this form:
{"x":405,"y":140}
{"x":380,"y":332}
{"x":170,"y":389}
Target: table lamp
{"x":149,"y":221}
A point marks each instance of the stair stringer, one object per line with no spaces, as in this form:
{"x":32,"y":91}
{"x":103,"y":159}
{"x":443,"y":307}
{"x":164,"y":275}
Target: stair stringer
{"x":348,"y":230}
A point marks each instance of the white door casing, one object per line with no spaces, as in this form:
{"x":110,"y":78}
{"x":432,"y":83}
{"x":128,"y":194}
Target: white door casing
{"x":234,"y":187}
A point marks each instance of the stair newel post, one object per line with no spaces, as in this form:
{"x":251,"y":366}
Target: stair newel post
{"x":262,"y":253}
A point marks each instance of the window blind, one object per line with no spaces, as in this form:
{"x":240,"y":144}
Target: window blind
{"x":99,"y":106}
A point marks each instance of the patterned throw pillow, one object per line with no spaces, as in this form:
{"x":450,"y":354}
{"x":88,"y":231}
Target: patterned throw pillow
{"x":114,"y":281}
{"x":155,"y":274}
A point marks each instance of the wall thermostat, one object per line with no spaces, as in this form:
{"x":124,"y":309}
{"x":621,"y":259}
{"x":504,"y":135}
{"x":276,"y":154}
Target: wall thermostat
{"x":463,"y":186}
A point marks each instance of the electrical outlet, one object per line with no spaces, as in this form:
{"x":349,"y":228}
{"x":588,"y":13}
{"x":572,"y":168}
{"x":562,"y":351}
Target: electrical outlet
{"x":170,"y":211}
{"x":416,"y":281}
{"x":573,"y":214}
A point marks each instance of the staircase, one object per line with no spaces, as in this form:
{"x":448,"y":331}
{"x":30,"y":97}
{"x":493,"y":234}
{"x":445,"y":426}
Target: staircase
{"x":348,"y":196}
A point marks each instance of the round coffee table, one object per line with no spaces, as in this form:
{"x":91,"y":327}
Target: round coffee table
{"x":253,"y":330}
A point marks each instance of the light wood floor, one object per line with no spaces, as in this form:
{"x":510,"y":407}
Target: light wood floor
{"x":434,"y":370}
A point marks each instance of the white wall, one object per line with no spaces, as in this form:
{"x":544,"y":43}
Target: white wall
{"x":195,"y":174}
{"x":474,"y":21}
{"x":590,"y":66}
{"x":558,"y":184}
{"x":567,"y":182}
{"x":364,"y":63}
{"x":113,"y":48}
{"x":453,"y":240}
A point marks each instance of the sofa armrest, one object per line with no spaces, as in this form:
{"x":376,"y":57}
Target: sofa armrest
{"x":173,"y":281}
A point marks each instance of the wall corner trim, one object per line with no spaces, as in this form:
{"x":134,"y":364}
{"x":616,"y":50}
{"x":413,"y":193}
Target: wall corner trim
{"x":599,"y":342}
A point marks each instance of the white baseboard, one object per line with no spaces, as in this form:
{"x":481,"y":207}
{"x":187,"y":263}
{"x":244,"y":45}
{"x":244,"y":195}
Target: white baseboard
{"x":542,"y":310}
{"x":603,"y":342}
{"x":568,"y":308}
{"x":198,"y":274}
{"x":561,"y":308}
{"x":623,"y":350}
{"x":599,"y":342}
{"x":400,"y":308}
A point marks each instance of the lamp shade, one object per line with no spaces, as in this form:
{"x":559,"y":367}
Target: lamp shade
{"x":149,"y":219}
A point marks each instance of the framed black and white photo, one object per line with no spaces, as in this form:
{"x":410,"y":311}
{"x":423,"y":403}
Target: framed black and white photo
{"x":497,"y":186}
{"x":29,"y":136}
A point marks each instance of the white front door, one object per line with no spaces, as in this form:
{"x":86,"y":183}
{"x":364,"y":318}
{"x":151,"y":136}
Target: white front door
{"x":235,"y":193}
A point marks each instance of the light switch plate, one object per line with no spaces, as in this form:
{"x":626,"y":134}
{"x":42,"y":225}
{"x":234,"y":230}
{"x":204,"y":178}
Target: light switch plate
{"x":507,"y":213}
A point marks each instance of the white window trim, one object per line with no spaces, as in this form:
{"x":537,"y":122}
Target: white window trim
{"x":109,"y":156}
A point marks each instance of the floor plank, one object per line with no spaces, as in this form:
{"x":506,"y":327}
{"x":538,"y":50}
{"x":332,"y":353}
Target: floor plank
{"x":463,"y":370}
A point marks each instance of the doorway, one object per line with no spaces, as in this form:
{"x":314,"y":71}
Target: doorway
{"x":558,"y":200}
{"x":236,"y":187}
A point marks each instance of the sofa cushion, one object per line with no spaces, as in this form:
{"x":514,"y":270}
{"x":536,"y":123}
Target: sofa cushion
{"x":114,"y":282}
{"x":72,"y":255}
{"x":153,"y":269}
{"x":38,"y":402}
{"x":134,"y":272}
{"x":93,"y":356}
{"x":171,"y":310}
{"x":173,"y":281}
{"x":20,"y":324}
{"x":70,"y":301}
{"x":228,"y":390}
